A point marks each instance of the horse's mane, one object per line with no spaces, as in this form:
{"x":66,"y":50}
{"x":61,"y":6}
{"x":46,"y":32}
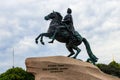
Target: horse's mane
{"x":59,"y":15}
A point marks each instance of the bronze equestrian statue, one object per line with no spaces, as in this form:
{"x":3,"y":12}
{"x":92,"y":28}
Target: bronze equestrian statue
{"x":64,"y":32}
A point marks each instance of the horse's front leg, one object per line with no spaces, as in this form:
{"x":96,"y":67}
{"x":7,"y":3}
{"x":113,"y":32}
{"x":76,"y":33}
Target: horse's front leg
{"x":36,"y":40}
{"x":46,"y":35}
{"x":54,"y":35}
{"x":41,"y":40}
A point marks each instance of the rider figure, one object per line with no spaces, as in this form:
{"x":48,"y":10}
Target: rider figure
{"x":68,"y":23}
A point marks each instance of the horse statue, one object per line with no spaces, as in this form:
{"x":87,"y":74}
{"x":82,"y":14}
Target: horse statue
{"x":64,"y":36}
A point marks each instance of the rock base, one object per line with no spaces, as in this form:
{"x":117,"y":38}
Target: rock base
{"x":64,"y":68}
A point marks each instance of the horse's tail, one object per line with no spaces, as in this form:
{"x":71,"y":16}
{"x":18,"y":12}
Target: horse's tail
{"x":89,"y":51}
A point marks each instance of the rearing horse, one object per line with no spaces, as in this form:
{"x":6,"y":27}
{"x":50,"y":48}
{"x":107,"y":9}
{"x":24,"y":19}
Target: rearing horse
{"x":64,"y":36}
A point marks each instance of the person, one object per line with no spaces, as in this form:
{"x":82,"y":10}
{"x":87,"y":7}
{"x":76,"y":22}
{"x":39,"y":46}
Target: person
{"x":68,"y":21}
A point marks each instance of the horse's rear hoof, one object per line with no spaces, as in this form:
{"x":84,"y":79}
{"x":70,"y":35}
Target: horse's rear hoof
{"x":74,"y":57}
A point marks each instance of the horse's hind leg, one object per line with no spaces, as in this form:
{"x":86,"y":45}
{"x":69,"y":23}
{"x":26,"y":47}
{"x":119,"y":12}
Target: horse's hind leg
{"x":72,"y":46}
{"x":78,"y":51}
{"x":70,"y":50}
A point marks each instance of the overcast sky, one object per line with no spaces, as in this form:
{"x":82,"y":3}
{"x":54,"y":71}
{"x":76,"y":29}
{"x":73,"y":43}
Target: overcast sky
{"x":21,"y":21}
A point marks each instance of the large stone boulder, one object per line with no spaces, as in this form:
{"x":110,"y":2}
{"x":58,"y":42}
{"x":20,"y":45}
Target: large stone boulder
{"x":64,"y":68}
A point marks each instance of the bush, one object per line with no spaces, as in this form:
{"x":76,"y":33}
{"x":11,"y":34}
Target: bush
{"x":16,"y":74}
{"x":112,"y":68}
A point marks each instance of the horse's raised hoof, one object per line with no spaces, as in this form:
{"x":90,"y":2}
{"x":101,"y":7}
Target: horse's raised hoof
{"x":42,"y":43}
{"x":36,"y":41}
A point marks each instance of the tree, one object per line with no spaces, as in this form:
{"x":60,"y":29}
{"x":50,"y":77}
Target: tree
{"x":112,"y":68}
{"x":16,"y":74}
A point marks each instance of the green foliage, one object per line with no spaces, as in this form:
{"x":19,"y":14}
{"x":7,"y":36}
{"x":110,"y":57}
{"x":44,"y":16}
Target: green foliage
{"x":112,"y":68}
{"x":16,"y":74}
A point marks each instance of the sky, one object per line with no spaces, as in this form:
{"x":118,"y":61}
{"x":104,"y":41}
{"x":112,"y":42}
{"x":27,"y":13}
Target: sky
{"x":21,"y":21}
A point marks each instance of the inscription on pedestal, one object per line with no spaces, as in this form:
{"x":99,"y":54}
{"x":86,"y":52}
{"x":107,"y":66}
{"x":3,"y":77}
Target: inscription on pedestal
{"x":55,"y":68}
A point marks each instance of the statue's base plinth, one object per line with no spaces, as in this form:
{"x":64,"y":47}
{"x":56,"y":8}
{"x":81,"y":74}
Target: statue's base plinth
{"x":64,"y":68}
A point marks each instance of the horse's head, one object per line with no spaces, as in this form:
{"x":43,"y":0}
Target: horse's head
{"x":53,"y":15}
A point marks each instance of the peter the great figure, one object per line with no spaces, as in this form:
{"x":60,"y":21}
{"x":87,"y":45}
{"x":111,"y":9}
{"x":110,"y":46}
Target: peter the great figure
{"x":63,"y":31}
